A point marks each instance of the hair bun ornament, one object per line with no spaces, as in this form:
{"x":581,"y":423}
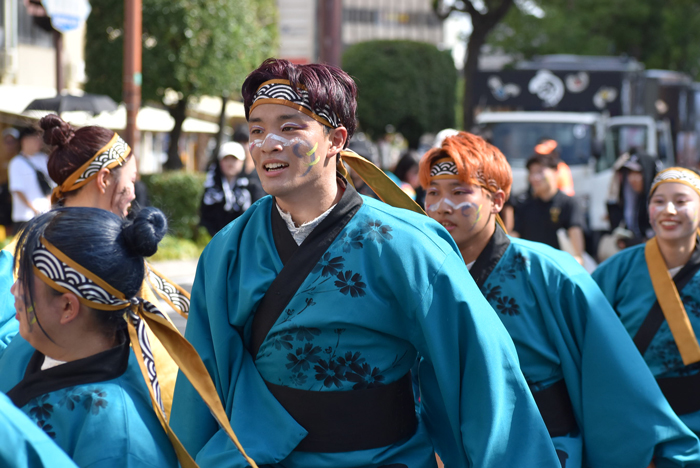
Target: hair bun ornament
{"x":143,"y":234}
{"x":57,"y":132}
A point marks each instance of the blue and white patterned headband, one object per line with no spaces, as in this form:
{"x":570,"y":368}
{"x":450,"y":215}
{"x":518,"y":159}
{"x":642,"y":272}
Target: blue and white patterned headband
{"x":444,"y":168}
{"x":282,"y":92}
{"x":111,"y":155}
{"x":61,"y":273}
{"x":677,"y":175}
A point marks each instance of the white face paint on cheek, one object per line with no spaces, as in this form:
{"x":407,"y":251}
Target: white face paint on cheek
{"x":281,"y":139}
{"x":452,"y":205}
{"x":449,"y":203}
{"x":434,"y":207}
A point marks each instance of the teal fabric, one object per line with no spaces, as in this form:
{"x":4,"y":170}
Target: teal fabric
{"x":625,"y":281}
{"x":391,"y":285}
{"x":105,"y":424}
{"x":563,"y":327}
{"x":24,"y":445}
{"x":9,"y":327}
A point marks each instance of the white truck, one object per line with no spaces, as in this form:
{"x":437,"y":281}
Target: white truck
{"x":596,"y":108}
{"x":588,"y":142}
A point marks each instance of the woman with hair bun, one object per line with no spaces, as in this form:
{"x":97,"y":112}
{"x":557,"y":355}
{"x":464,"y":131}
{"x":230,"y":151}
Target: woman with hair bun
{"x":72,"y":369}
{"x":94,"y":167}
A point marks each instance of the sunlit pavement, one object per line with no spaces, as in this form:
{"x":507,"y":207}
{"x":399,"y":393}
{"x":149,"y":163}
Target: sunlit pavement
{"x":180,"y":272}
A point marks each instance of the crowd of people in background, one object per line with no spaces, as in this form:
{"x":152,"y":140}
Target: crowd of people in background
{"x":546,"y":212}
{"x":361,"y":315}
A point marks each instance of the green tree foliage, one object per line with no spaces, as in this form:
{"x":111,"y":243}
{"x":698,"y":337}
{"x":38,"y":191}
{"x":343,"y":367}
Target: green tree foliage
{"x":485,"y":15}
{"x":660,"y":33}
{"x":409,"y":85}
{"x":192,"y":47}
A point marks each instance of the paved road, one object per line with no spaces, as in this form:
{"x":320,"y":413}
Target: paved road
{"x":181,"y":272}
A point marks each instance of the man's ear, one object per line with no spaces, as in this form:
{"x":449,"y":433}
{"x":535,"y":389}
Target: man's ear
{"x":103,"y":179}
{"x":338,"y":137}
{"x":70,"y":308}
{"x":498,"y":199}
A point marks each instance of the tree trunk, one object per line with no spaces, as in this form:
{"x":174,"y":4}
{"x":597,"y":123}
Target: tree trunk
{"x":178,"y":112}
{"x":222,"y":125}
{"x":471,"y":66}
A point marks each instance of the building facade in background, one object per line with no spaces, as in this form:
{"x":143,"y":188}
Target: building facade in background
{"x":368,"y":20}
{"x":362,"y":20}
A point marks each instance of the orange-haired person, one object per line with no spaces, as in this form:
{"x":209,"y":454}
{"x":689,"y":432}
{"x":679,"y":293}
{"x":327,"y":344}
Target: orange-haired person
{"x":585,"y":374}
{"x":565,"y":181}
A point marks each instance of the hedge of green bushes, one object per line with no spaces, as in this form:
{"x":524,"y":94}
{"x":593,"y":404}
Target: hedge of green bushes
{"x":178,"y":194}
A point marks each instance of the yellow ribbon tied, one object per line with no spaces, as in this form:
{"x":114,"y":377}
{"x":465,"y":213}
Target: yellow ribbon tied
{"x":380,"y":183}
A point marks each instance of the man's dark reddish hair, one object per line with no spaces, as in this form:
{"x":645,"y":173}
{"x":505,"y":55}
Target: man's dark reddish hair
{"x":327,"y":86}
{"x":72,"y":148}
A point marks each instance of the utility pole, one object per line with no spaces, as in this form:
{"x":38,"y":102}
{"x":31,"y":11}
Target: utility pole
{"x":58,"y":45}
{"x":330,"y":19}
{"x":132,"y":68}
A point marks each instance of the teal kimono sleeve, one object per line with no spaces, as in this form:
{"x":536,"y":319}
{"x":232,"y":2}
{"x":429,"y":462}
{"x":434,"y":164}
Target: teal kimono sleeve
{"x":24,"y":444}
{"x":624,"y":417}
{"x":266,"y":431}
{"x":8,"y":325}
{"x":475,"y":402}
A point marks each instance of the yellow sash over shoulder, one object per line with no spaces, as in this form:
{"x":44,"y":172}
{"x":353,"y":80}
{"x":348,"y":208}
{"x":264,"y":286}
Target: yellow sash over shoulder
{"x":671,"y":304}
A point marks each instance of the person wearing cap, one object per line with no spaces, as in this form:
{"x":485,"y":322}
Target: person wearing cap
{"x":599,"y":401}
{"x":29,"y":181}
{"x":655,"y":289}
{"x":227,"y":191}
{"x":241,"y":135}
{"x":311,"y":308}
{"x":539,"y":215}
{"x":628,"y":194}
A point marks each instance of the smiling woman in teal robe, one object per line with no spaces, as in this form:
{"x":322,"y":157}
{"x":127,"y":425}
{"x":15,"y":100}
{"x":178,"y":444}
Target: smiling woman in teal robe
{"x":598,"y":399}
{"x":632,"y":278}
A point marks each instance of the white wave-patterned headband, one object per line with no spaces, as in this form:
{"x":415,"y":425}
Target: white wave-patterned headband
{"x":677,"y":175}
{"x":282,"y":92}
{"x":61,"y":273}
{"x":111,"y":155}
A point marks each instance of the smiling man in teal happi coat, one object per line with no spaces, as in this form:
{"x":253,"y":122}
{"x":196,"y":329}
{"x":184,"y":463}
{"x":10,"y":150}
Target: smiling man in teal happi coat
{"x":311,"y":308}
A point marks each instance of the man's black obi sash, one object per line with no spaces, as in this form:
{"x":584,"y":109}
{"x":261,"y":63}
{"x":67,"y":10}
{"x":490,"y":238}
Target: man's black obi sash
{"x":555,"y":407}
{"x":681,"y":392}
{"x":553,"y":402}
{"x":337,"y":421}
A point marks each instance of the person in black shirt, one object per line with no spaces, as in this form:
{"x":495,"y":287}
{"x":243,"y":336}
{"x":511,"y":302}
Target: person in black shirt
{"x":228,"y":192}
{"x":540,"y":214}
